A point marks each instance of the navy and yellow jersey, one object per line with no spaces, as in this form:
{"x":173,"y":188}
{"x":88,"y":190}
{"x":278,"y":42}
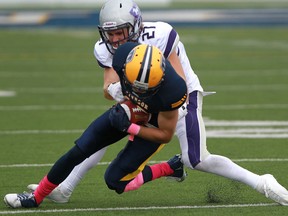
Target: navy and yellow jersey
{"x":172,"y":93}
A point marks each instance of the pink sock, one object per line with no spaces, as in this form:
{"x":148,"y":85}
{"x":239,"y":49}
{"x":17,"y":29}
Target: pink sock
{"x":135,"y":183}
{"x":161,"y":169}
{"x":158,"y":170}
{"x":44,"y":189}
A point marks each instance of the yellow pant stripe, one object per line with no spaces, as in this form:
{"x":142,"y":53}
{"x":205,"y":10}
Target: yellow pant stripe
{"x":141,"y":167}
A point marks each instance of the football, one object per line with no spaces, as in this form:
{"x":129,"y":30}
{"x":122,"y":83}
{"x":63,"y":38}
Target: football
{"x":135,"y":114}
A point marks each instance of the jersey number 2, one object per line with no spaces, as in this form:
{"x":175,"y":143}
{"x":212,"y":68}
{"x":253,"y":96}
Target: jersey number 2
{"x":149,"y":34}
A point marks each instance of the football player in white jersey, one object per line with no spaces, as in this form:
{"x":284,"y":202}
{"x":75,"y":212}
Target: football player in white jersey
{"x":121,"y":21}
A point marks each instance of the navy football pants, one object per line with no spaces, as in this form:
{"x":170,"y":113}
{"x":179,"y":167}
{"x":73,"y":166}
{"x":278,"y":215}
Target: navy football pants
{"x":100,"y":133}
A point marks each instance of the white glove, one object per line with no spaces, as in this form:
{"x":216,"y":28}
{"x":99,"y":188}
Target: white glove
{"x":182,"y":111}
{"x":114,"y":89}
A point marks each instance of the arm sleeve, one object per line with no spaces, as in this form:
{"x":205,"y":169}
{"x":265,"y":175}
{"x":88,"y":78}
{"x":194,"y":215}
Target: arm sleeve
{"x":102,"y":55}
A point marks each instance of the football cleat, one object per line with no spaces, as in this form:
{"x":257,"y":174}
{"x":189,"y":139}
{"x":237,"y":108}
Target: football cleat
{"x":176,"y":164}
{"x":25,"y":200}
{"x":269,"y":186}
{"x":56,"y":195}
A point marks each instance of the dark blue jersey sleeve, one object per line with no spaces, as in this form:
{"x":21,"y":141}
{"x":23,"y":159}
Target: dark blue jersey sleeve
{"x":172,"y":93}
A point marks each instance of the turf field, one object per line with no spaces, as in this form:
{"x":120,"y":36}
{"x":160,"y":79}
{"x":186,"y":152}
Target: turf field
{"x":51,"y":89}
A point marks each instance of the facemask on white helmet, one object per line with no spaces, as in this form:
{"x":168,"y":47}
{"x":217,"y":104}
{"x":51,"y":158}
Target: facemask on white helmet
{"x":121,"y":17}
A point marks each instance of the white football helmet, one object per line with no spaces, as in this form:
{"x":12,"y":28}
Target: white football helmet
{"x":119,"y":14}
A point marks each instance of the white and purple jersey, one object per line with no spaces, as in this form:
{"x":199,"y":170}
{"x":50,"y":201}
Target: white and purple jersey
{"x":163,"y":36}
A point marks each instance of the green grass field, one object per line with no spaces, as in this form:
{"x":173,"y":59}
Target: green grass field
{"x":58,"y":92}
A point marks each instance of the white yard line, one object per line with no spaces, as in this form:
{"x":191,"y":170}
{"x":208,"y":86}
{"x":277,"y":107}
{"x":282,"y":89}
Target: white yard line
{"x":105,"y":163}
{"x":225,"y":123}
{"x":104,"y":107}
{"x":214,"y":129}
{"x":148,"y":208}
{"x":53,"y":107}
{"x":7,"y":93}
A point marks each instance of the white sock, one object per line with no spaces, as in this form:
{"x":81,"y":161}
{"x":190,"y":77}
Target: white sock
{"x":69,"y":184}
{"x":223,"y":166}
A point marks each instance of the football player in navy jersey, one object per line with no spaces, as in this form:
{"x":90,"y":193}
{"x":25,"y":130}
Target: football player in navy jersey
{"x":150,"y":81}
{"x":121,"y":21}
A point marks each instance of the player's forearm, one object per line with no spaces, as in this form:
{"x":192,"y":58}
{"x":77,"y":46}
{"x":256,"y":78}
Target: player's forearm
{"x":110,"y":77}
{"x":156,"y":134}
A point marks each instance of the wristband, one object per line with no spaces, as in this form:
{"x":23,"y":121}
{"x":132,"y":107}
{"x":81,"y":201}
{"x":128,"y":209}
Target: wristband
{"x":133,"y":129}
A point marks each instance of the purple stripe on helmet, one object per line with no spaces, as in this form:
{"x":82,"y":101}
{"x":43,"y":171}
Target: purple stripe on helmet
{"x":171,"y":40}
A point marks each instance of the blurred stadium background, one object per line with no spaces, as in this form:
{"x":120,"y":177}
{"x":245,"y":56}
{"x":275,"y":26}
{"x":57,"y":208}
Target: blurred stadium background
{"x":72,"y":13}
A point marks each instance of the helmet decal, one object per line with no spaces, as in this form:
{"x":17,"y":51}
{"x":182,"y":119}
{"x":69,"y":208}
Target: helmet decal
{"x":135,"y":11}
{"x":109,"y":24}
{"x":130,"y":56}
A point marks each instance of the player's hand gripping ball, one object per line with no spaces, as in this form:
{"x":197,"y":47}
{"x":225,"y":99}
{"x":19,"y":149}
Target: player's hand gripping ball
{"x":122,"y":115}
{"x":135,"y":114}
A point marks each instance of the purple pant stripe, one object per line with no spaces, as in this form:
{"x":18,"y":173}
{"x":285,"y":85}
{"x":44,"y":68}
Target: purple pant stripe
{"x":192,"y":129}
